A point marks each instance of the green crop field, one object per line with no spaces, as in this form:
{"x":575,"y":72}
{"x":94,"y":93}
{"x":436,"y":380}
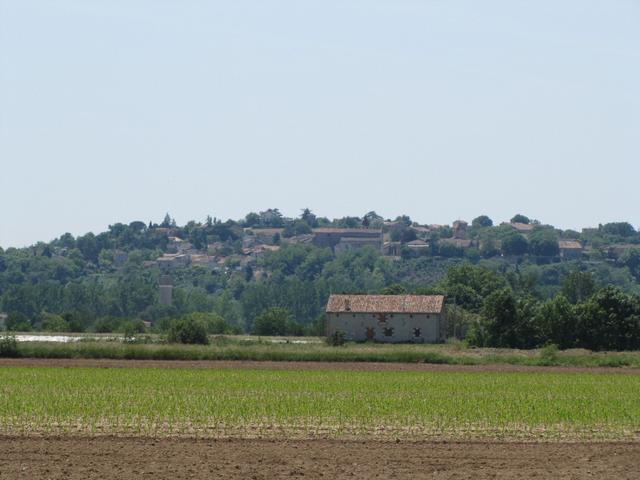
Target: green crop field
{"x":339,"y":404}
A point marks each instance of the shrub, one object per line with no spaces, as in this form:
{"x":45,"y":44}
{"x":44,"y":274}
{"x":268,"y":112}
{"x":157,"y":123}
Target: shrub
{"x":17,"y":322}
{"x":53,"y":323}
{"x":549,"y":354}
{"x":276,"y":321}
{"x":336,"y":339}
{"x":8,"y":346}
{"x":188,"y":330}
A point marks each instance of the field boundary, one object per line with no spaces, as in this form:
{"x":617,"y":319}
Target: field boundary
{"x":306,"y":366}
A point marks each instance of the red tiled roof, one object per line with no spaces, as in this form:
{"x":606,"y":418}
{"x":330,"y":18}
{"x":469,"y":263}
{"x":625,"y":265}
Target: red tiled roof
{"x":344,"y":231}
{"x":385,"y":303}
{"x":569,"y":244}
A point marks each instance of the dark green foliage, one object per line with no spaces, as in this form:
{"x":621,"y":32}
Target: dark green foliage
{"x":481,"y":222}
{"x":106,"y":325}
{"x":336,"y":339}
{"x":298,"y":227}
{"x":507,"y":322}
{"x":557,"y":322}
{"x":519,"y":218}
{"x":514,"y":244}
{"x":53,"y":323}
{"x":467,"y":286}
{"x":99,"y":282}
{"x":17,"y":322}
{"x":276,"y":321}
{"x":620,"y":229}
{"x":578,"y":286}
{"x":395,"y":289}
{"x":631,"y":258}
{"x":609,"y":320}
{"x":189,"y":331}
{"x":8,"y":346}
{"x":544,"y":242}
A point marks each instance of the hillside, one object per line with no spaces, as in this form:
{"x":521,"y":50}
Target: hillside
{"x":237,"y":270}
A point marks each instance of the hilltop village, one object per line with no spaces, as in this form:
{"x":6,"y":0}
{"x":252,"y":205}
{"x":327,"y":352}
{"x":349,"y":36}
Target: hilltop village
{"x":153,"y":273}
{"x":193,"y":245}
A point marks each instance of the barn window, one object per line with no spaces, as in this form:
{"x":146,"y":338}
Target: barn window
{"x":417,"y":332}
{"x":388,"y":332}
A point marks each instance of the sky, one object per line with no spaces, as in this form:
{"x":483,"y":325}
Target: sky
{"x":122,"y":110}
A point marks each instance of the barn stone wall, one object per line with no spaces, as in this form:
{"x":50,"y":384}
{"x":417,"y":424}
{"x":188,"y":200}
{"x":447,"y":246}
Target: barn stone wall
{"x":387,"y":327}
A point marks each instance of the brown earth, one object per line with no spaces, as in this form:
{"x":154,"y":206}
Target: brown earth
{"x":111,"y":457}
{"x":269,"y":365}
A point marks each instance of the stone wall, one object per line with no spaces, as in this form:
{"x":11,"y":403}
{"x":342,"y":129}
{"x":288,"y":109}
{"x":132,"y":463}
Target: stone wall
{"x":389,"y":327}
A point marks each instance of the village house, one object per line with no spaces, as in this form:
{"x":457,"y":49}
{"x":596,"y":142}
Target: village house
{"x":341,"y":239}
{"x":387,"y":318}
{"x":570,"y":249}
{"x":523,"y":228}
{"x":173,"y":260}
{"x":263,"y":236}
{"x":392,"y":249}
{"x":458,"y":242}
{"x":460,"y":229}
{"x":178,"y":245}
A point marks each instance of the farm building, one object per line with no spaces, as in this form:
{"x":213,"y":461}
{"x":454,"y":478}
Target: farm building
{"x":387,"y":318}
{"x":341,"y":239}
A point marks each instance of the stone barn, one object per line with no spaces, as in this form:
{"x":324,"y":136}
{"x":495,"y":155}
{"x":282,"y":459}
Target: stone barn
{"x":387,"y":318}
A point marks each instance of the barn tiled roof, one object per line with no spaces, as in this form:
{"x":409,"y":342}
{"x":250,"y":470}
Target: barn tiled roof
{"x":569,"y":245}
{"x":385,"y":303}
{"x":346,"y":231}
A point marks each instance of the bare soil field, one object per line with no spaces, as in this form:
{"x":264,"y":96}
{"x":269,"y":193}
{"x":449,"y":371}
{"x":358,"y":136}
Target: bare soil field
{"x":93,"y":458}
{"x":270,"y":365}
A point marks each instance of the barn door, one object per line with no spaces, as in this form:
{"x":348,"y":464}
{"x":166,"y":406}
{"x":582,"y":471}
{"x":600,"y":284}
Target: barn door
{"x":371,"y":333}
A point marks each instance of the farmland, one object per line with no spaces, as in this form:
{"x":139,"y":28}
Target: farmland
{"x":312,"y":349}
{"x":252,"y":403}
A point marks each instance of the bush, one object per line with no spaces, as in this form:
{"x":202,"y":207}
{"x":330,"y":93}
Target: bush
{"x":17,"y":322}
{"x":336,"y":339}
{"x":53,"y":323}
{"x":8,"y":346}
{"x":549,"y":354}
{"x":276,"y":321}
{"x":106,"y":325}
{"x":188,"y":330}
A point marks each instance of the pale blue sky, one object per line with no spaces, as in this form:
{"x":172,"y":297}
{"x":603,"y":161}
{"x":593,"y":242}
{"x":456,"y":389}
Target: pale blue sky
{"x":125,"y":109}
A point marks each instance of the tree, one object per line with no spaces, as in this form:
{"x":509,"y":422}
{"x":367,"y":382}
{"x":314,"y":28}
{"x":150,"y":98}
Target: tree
{"x":544,"y":242}
{"x":17,"y":322}
{"x":53,"y":323}
{"x":188,"y":330}
{"x":577,"y":286}
{"x":298,"y":227}
{"x":251,"y":220}
{"x":167,"y":222}
{"x":481,"y":222}
{"x":621,"y":229}
{"x":275,"y":321}
{"x":514,"y":244}
{"x":631,"y":258}
{"x":309,"y":218}
{"x":519,"y":218}
{"x":395,"y":289}
{"x":467,"y":286}
{"x":508,"y":322}
{"x":271,"y":218}
{"x":609,"y":320}
{"x":557,"y":320}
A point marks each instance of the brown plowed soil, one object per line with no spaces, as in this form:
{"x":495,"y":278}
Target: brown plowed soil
{"x":99,"y":458}
{"x":341,"y":366}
